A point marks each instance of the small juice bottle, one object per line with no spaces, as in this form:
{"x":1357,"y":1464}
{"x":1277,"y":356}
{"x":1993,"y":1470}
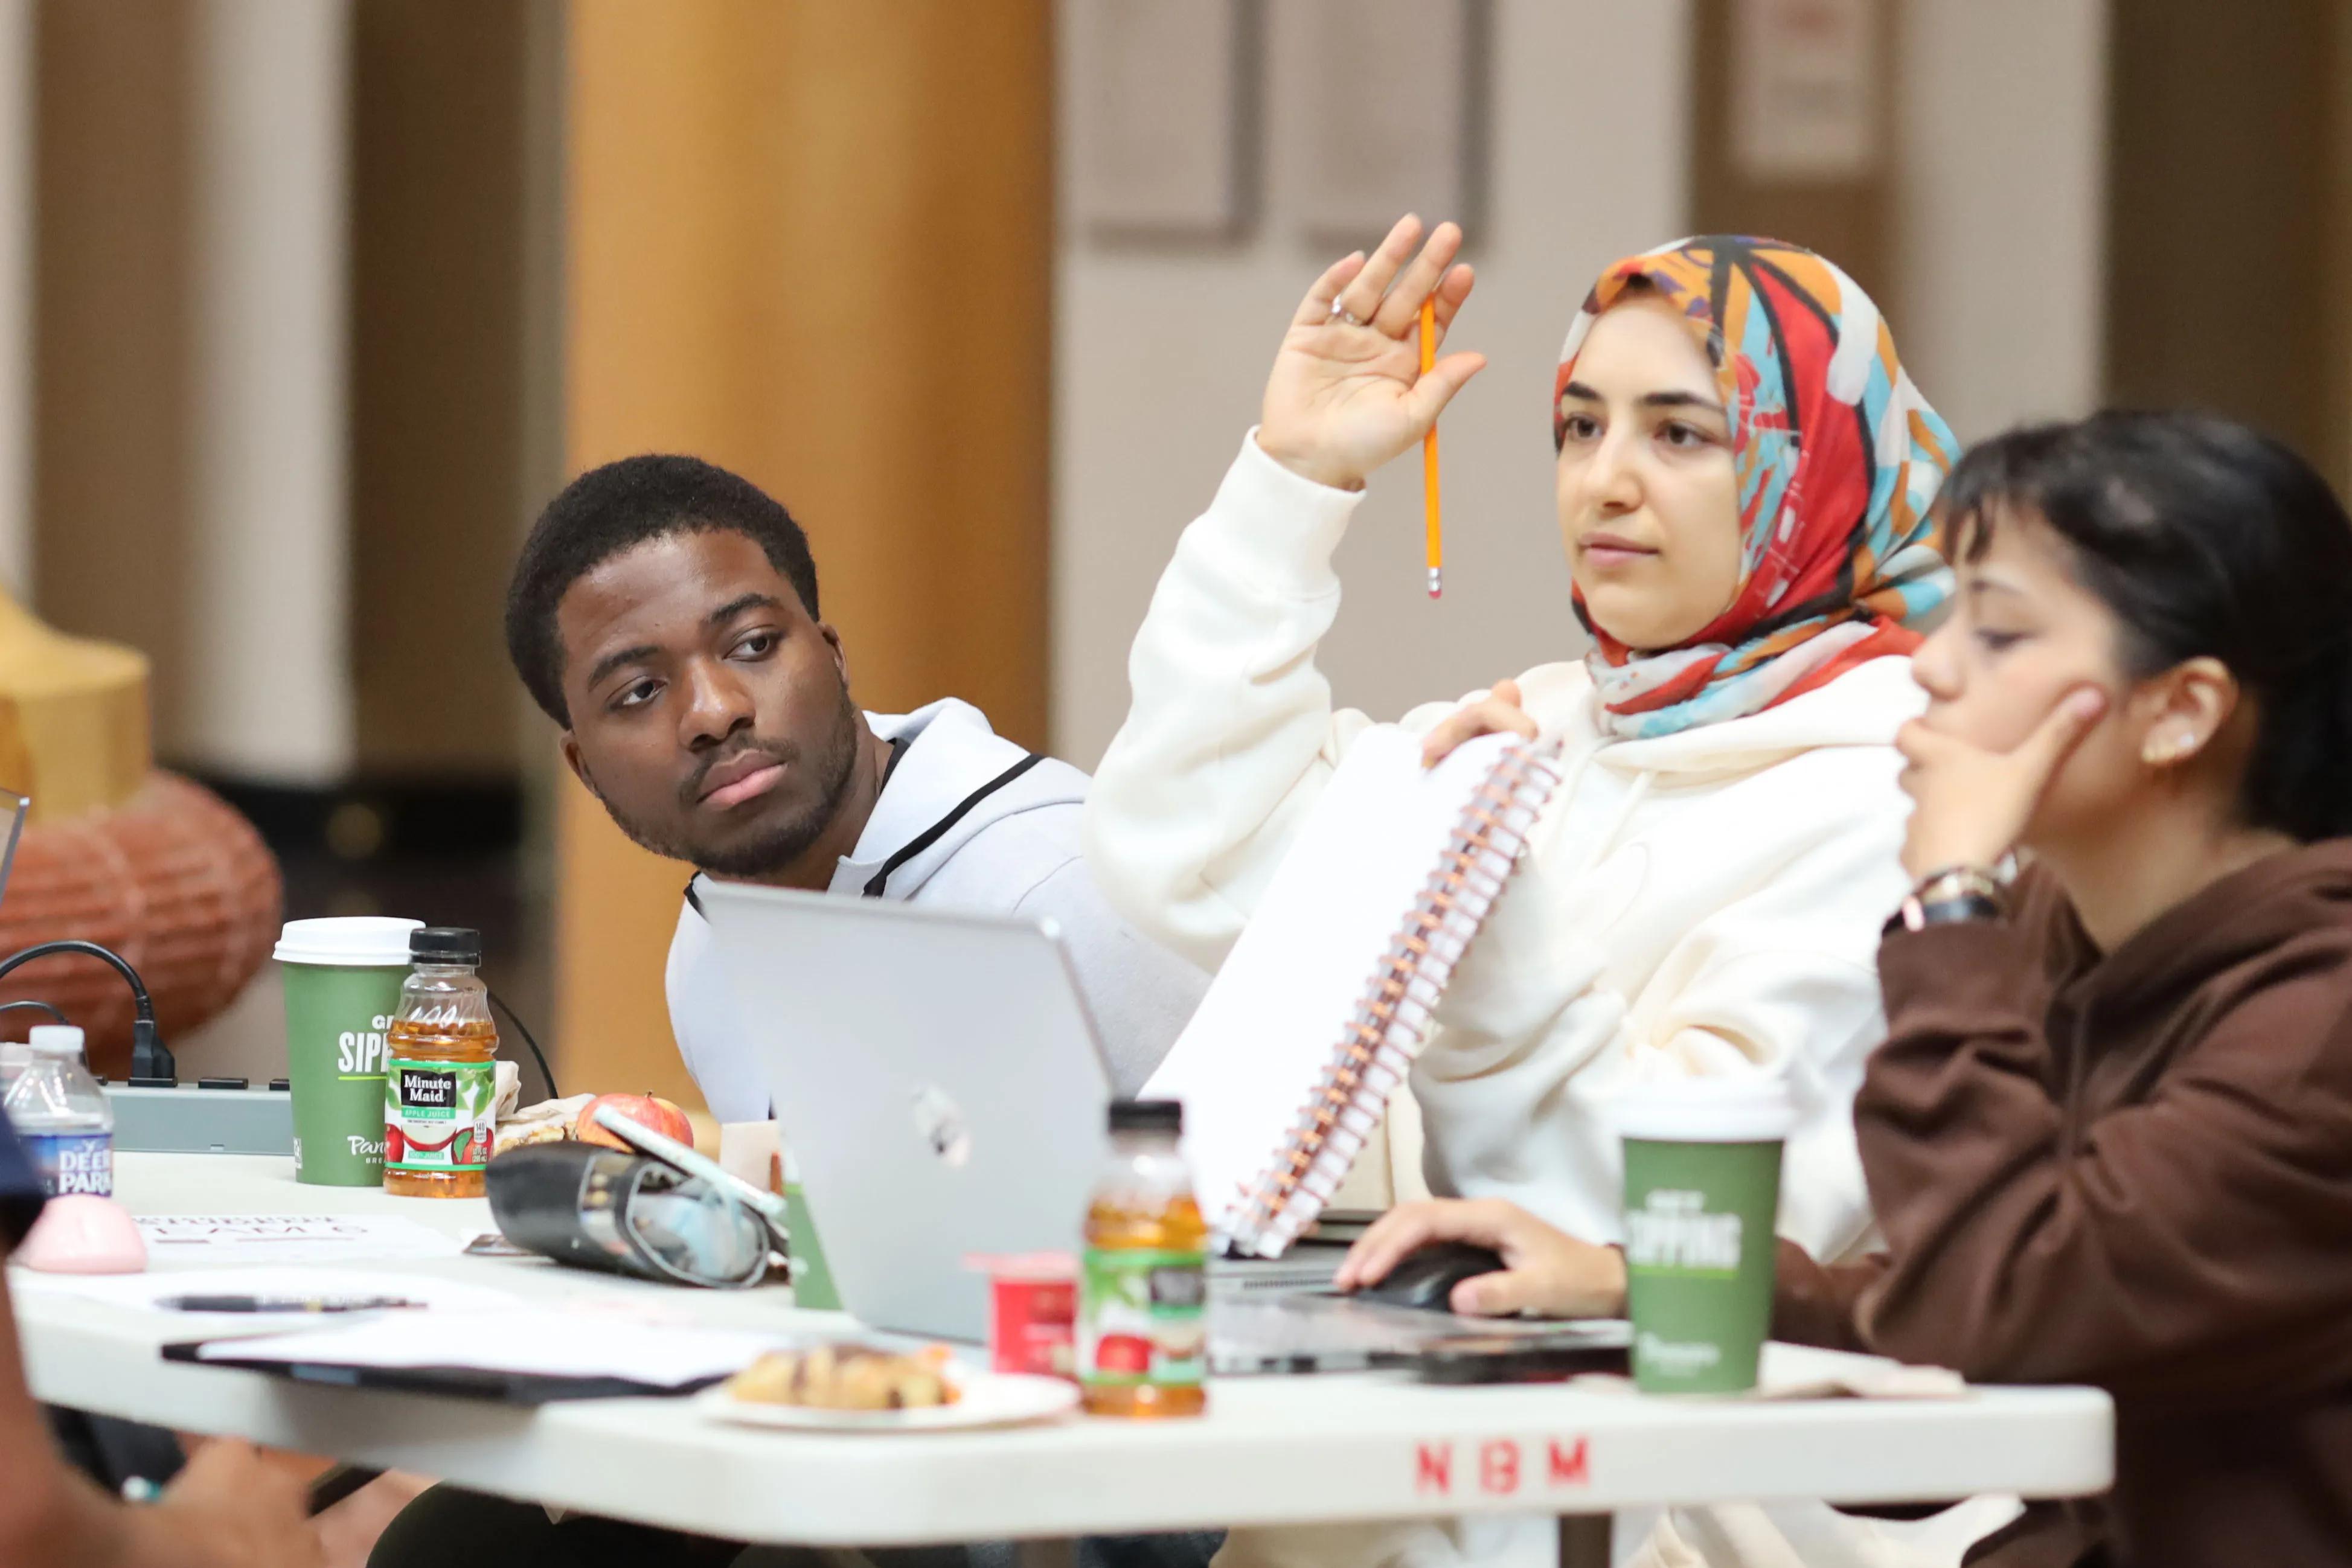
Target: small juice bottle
{"x":1143,"y":1285}
{"x":440,"y":1086}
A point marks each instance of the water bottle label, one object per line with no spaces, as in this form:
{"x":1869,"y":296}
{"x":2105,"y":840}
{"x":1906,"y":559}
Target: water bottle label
{"x":73,"y":1162}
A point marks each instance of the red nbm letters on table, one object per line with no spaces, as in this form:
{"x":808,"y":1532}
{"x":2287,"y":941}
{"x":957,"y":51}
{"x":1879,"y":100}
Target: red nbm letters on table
{"x":1504,"y":1466}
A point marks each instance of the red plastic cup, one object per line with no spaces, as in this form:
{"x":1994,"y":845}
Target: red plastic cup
{"x":1033,"y":1312}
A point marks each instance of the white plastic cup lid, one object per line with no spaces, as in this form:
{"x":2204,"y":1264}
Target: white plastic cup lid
{"x":1748,"y":1108}
{"x":347,"y":941}
{"x":54,"y":1039}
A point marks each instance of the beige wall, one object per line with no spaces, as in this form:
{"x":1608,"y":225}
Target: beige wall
{"x":1162,"y":354}
{"x":2000,"y":225}
{"x":1849,"y":218}
{"x":1983,"y":227}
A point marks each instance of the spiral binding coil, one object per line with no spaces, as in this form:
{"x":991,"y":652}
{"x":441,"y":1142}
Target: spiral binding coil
{"x":1392,"y":1018}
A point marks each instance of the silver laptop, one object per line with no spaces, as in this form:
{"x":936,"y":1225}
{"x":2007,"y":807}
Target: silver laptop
{"x":940,"y":1088}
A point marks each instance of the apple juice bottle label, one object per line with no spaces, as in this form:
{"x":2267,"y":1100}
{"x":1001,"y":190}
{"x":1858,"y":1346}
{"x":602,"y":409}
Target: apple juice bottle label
{"x":438,"y":1115}
{"x":1142,"y":1317}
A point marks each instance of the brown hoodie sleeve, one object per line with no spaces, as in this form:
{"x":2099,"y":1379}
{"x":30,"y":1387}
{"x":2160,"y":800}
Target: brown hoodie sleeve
{"x":2196,"y":1241}
{"x":1814,"y":1304}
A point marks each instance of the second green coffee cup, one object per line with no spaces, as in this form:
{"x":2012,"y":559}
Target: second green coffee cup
{"x":342,"y":985}
{"x":1702,"y":1193}
{"x":812,"y":1277}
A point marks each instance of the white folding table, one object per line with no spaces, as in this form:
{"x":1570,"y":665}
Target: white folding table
{"x":1271,"y":1450}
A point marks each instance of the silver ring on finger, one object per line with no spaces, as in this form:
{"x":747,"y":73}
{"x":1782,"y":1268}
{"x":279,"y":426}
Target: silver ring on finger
{"x":1341,"y":313}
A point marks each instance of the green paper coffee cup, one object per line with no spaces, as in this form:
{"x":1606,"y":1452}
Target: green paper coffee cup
{"x":343,"y":986}
{"x":1702,"y":1193}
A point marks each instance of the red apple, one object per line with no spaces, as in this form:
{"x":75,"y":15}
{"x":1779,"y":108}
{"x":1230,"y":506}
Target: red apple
{"x":1120,"y":1353}
{"x":644,"y":1110}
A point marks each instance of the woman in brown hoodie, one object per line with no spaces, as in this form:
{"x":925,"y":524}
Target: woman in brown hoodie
{"x":2109,"y":1136}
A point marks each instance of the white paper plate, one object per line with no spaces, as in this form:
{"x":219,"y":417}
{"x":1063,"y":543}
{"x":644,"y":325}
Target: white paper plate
{"x":988,"y":1399}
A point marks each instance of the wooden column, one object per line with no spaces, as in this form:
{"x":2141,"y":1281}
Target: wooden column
{"x":2226,"y":238}
{"x":17,"y":195}
{"x":440,"y":368}
{"x":812,"y":242}
{"x":113,"y":538}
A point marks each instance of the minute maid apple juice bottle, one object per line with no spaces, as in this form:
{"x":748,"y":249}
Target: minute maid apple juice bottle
{"x":440,"y":1086}
{"x":1143,"y":1287}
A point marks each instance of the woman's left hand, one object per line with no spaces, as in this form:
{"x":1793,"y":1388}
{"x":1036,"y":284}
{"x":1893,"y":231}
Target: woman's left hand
{"x":1498,"y":712}
{"x":1972,"y":805}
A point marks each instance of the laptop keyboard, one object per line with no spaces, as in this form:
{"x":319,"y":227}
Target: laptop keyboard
{"x":1318,"y":1333}
{"x":1306,"y":1269}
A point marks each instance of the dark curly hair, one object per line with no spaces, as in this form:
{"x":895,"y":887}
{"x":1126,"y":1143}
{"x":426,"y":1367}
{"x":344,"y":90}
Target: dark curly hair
{"x":614,"y":508}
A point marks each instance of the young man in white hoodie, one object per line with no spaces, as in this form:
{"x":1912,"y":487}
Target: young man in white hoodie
{"x":664,"y":611}
{"x":1744,"y":476}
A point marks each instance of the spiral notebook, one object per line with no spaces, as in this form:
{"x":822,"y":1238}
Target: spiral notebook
{"x":1328,"y":995}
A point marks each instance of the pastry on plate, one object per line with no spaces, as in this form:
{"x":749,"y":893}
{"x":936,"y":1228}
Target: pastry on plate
{"x":847,"y":1378}
{"x":548,"y":1122}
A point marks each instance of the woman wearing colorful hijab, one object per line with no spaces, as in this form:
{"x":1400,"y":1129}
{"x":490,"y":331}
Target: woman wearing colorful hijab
{"x":1744,"y":476}
{"x":1837,"y":458}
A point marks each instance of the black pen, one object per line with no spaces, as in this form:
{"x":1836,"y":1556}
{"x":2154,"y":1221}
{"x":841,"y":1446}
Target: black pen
{"x":284,"y":1304}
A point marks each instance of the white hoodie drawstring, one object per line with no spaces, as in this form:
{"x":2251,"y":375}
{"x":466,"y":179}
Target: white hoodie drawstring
{"x":1608,"y":841}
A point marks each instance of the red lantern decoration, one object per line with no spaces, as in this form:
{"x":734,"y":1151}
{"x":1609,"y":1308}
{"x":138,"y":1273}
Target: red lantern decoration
{"x":174,"y":879}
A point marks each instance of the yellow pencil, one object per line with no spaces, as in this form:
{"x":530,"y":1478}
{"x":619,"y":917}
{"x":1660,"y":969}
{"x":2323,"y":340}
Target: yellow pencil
{"x":1436,"y":528}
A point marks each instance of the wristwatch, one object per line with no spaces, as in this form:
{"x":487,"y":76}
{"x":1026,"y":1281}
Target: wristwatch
{"x":1959,"y":892}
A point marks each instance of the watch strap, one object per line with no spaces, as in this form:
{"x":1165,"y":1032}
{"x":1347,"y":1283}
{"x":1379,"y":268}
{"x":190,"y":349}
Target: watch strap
{"x":1918,"y":914}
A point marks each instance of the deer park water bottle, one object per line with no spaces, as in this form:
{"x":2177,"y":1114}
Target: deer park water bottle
{"x":61,"y":1117}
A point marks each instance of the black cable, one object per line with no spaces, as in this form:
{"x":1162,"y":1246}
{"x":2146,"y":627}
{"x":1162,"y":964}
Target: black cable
{"x":56,"y":1013}
{"x":524,"y":1029}
{"x":151,"y":1066}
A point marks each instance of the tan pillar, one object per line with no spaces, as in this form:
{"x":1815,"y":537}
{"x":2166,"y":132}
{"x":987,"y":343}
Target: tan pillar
{"x":268,"y":652}
{"x":812,"y":242}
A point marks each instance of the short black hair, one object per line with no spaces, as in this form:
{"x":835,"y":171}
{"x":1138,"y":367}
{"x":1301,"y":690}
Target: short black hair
{"x":2204,"y":538}
{"x":614,"y":508}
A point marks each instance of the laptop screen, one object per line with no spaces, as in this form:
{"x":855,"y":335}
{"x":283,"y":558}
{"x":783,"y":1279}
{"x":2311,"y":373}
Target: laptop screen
{"x":16,"y":806}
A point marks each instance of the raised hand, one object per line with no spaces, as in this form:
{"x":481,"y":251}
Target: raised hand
{"x":1347,"y":393}
{"x":1970,"y":805}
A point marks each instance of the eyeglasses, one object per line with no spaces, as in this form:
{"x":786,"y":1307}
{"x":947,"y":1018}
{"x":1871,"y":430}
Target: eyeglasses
{"x":673,"y":1227}
{"x":713,"y":1228}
